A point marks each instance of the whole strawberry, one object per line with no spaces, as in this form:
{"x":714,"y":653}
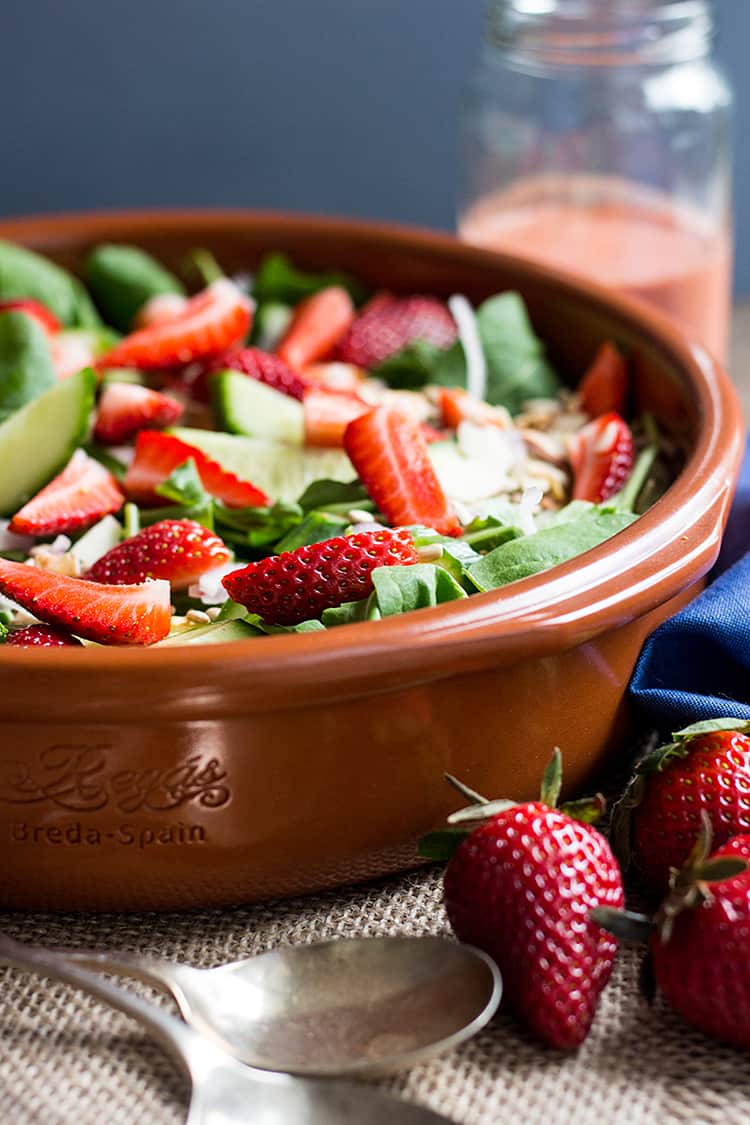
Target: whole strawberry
{"x":700,"y":961}
{"x":698,"y":940}
{"x":705,"y":768}
{"x":520,"y":886}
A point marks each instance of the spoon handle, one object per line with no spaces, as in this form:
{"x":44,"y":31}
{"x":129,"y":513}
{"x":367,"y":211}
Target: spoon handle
{"x":178,"y":1039}
{"x":155,"y":971}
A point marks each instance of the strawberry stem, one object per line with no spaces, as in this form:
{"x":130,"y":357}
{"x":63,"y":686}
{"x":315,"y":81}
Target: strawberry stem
{"x":552,"y":780}
{"x":471,"y":795}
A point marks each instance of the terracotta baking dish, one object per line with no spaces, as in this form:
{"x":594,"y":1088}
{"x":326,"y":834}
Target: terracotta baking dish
{"x":187,"y":777}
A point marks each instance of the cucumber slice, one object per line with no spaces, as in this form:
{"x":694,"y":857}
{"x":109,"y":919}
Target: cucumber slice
{"x":243,"y":405}
{"x":216,"y":633}
{"x":38,"y":440}
{"x":282,"y":471}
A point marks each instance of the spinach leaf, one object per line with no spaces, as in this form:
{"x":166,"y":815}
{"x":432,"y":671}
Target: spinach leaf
{"x":517,"y":368}
{"x":312,"y":626}
{"x":399,"y":589}
{"x":412,"y":367}
{"x":123,"y":278}
{"x":484,"y":534}
{"x":457,"y":555}
{"x":350,"y":612}
{"x":26,"y":274}
{"x":232,"y":611}
{"x":185,"y":486}
{"x":259,"y":528}
{"x":329,"y":493}
{"x":314,"y":528}
{"x":547,"y":548}
{"x":278,"y":279}
{"x":26,"y":369}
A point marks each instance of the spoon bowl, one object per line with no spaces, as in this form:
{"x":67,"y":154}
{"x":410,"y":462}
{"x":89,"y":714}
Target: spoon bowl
{"x":223,"y":1091}
{"x":356,"y":1006}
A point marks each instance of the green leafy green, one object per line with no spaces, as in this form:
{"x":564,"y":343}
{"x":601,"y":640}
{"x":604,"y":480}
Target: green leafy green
{"x":350,"y":612}
{"x":24,"y":273}
{"x":412,"y":367}
{"x":487,"y":532}
{"x":26,"y":369}
{"x":314,"y":528}
{"x":517,"y":368}
{"x":231,"y":611}
{"x":277,"y":279}
{"x":122,"y":278}
{"x":258,"y":528}
{"x":332,"y":493}
{"x":400,"y":589}
{"x":258,"y":623}
{"x":548,"y":547}
{"x":184,"y":486}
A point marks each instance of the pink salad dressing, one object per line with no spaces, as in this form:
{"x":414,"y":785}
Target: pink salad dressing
{"x":640,"y":246}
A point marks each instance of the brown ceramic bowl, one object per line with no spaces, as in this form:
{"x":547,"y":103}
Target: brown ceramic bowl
{"x":188,"y":776}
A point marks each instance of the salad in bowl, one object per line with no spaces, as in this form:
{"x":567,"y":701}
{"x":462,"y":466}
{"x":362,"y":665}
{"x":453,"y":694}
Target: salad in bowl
{"x":286,"y":452}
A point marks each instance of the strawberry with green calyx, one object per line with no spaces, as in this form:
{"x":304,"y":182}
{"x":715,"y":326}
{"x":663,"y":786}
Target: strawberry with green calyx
{"x":520,"y":884}
{"x":698,"y":939}
{"x":706,"y":767}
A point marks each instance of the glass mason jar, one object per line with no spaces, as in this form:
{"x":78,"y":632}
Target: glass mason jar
{"x":597,"y":140}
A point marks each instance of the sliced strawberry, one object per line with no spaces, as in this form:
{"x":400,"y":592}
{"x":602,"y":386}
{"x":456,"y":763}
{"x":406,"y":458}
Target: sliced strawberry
{"x":298,"y":585}
{"x":328,"y":413}
{"x":601,"y":456}
{"x":604,"y":387}
{"x":126,"y":408}
{"x":161,"y":309}
{"x":316,"y":327}
{"x":263,"y":366}
{"x":157,"y":455}
{"x":110,"y":615}
{"x":41,"y":636}
{"x":77,"y":497}
{"x":390,"y":455}
{"x":40,"y":313}
{"x":387,"y":324}
{"x":334,"y":376}
{"x":210,"y":322}
{"x":178,"y":550}
{"x":457,"y":406}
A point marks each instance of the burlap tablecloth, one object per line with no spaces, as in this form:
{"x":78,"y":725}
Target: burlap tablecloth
{"x":67,"y":1060}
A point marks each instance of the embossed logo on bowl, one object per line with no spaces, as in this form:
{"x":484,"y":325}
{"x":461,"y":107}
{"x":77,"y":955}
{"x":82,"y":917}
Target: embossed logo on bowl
{"x":76,"y":777}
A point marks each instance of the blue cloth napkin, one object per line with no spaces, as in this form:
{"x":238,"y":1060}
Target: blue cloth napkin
{"x":697,"y":664}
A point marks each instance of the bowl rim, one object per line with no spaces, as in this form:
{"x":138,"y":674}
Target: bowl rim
{"x":561,"y":607}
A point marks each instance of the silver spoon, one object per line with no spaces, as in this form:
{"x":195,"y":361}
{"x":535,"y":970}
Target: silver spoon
{"x":223,"y":1090}
{"x":353,"y":1006}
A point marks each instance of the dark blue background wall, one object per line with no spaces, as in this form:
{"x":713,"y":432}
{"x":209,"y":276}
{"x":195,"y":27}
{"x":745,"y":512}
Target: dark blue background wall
{"x":346,"y":106}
